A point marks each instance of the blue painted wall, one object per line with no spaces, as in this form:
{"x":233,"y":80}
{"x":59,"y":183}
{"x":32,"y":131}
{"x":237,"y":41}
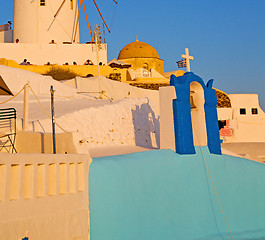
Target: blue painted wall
{"x":159,"y":194}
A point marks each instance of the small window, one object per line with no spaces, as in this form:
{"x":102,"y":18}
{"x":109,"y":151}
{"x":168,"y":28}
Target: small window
{"x":145,"y":66}
{"x":242,"y":111}
{"x":254,"y":111}
{"x":72,"y":4}
{"x":42,"y":2}
{"x":221,"y":124}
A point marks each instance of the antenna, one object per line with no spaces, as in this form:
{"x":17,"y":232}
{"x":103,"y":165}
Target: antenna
{"x":99,"y":29}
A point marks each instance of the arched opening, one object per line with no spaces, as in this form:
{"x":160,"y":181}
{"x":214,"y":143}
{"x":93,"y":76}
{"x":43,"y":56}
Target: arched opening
{"x":145,"y":66}
{"x":198,"y":115}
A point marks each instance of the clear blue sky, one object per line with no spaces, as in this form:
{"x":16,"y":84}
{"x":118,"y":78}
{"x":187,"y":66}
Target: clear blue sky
{"x":226,"y":38}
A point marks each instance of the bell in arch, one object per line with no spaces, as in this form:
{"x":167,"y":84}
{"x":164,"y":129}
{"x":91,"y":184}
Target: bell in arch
{"x":192,"y":104}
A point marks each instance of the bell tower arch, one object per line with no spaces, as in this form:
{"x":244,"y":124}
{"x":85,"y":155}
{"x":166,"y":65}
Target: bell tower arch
{"x":197,"y":126}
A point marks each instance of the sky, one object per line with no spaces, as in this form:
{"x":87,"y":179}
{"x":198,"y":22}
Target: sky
{"x":226,"y":38}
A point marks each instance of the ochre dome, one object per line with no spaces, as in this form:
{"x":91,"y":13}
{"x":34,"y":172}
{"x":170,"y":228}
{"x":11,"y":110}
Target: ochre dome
{"x":138,"y":49}
{"x":223,"y":100}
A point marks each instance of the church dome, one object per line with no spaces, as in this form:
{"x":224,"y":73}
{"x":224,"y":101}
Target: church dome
{"x":138,"y":49}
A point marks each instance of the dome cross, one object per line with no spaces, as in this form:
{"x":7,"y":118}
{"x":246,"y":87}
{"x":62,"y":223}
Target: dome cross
{"x":188,"y":58}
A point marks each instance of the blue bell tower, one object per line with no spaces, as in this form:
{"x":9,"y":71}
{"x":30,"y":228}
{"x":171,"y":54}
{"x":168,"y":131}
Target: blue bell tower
{"x":184,"y":134}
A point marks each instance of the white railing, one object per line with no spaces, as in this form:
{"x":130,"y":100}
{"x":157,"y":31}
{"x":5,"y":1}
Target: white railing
{"x":44,"y":196}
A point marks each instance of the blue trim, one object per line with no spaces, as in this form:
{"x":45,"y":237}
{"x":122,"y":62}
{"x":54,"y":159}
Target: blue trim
{"x":182,"y":114}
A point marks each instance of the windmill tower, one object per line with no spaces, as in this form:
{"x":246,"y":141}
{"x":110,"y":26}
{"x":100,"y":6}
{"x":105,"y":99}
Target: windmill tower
{"x":37,"y":23}
{"x":41,"y":21}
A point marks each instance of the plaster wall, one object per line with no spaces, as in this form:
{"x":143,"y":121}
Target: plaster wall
{"x":248,"y":127}
{"x":6,"y":36}
{"x":34,"y":23}
{"x":144,"y":76}
{"x":114,"y":90}
{"x":176,"y":73}
{"x":40,"y":54}
{"x":37,"y":142}
{"x":198,"y":115}
{"x":156,"y":74}
{"x":84,"y":70}
{"x":79,"y":70}
{"x":167,"y":135}
{"x":224,"y":113}
{"x":155,"y":63}
{"x":150,"y":80}
{"x":44,"y":196}
{"x":244,"y":100}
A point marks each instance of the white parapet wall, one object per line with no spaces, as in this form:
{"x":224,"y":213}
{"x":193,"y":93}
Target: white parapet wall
{"x":37,"y":142}
{"x":167,"y":135}
{"x":248,"y":119}
{"x":225,"y":113}
{"x":6,"y":36}
{"x":44,"y":196}
{"x":40,"y":54}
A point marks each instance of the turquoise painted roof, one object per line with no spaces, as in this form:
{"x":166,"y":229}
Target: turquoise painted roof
{"x":159,"y":194}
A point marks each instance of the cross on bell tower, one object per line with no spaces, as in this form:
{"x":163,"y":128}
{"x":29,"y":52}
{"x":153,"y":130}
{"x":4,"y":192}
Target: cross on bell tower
{"x":188,"y":58}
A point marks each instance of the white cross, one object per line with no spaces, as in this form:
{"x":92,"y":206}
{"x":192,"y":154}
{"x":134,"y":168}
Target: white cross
{"x":188,"y":58}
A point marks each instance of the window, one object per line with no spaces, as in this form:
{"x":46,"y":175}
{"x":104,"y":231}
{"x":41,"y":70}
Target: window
{"x":145,"y":66}
{"x":42,"y":2}
{"x":254,"y":111}
{"x":221,"y":124}
{"x":242,"y":111}
{"x":72,"y":4}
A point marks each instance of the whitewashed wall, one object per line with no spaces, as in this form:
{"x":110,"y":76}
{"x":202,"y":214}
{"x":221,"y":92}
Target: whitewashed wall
{"x":40,"y":54}
{"x":167,"y":135}
{"x":44,"y":196}
{"x":247,"y":127}
{"x":34,"y":23}
{"x":6,"y":36}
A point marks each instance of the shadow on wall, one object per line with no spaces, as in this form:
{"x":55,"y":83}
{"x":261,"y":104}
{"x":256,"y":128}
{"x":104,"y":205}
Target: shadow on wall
{"x":146,"y":127}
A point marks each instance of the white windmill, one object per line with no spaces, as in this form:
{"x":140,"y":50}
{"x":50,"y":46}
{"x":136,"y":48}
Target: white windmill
{"x":37,"y":23}
{"x":41,"y":21}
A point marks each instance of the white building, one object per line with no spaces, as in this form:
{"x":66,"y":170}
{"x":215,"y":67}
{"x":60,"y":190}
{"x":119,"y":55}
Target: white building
{"x":47,"y":31}
{"x":246,"y":119}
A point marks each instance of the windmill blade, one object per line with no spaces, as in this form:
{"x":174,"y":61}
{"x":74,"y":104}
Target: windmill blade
{"x":87,"y":21}
{"x":59,"y":8}
{"x":76,"y":26}
{"x":101,"y":15}
{"x":51,"y":24}
{"x":55,"y":15}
